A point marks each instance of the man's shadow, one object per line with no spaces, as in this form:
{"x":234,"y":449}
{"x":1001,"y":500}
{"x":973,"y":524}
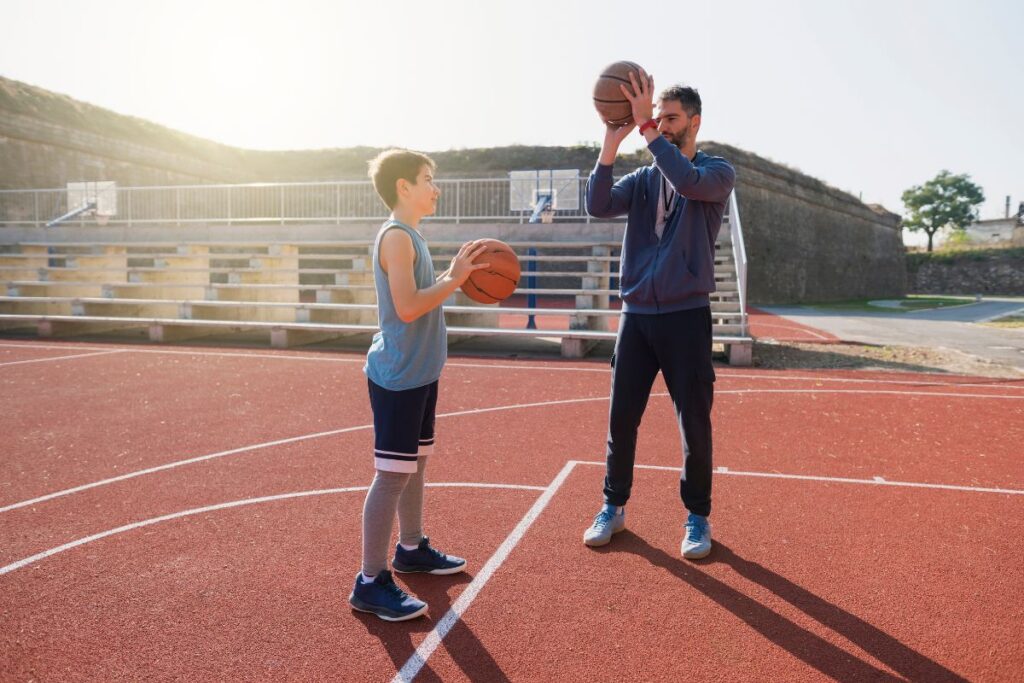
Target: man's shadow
{"x":815,"y":651}
{"x":461,"y":643}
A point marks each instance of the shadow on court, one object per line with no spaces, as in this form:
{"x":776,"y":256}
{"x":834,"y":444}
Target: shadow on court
{"x":798,"y":641}
{"x":461,"y":643}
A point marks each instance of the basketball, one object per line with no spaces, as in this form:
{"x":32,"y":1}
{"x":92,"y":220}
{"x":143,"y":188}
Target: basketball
{"x":609,"y":101}
{"x":497,"y":282}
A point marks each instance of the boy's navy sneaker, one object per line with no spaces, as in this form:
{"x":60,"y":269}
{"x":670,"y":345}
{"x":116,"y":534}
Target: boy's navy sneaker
{"x":426,"y":560}
{"x":384,"y":598}
{"x":697,"y":538}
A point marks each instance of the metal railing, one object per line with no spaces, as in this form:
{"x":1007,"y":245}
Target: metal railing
{"x":739,"y":252}
{"x":476,"y":199}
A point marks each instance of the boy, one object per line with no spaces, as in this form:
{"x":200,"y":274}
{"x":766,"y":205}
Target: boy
{"x":402,"y":369}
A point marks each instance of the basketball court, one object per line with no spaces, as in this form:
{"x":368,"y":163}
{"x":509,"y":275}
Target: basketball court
{"x":194,"y":513}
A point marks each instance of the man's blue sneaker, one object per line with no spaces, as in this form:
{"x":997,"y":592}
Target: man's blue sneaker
{"x":384,"y":598}
{"x":607,"y":523}
{"x":697,"y":537}
{"x":426,"y":560}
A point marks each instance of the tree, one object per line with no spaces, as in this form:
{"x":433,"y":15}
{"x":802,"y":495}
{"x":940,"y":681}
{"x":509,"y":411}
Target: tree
{"x":945,"y":201}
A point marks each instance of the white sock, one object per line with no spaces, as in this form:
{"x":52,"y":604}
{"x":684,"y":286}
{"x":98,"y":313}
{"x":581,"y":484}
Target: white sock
{"x":366,"y":579}
{"x":408,"y":547}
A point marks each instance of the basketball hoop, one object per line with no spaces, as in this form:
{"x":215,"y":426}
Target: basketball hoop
{"x":102,"y":219}
{"x":547,"y":216}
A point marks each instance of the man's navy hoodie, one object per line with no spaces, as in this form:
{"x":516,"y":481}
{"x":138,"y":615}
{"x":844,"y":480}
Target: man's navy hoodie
{"x":676,"y":272}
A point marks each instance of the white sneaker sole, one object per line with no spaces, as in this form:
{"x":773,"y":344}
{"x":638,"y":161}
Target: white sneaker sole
{"x":436,"y":572}
{"x":599,"y":541}
{"x":696,"y":554}
{"x":405,"y":617}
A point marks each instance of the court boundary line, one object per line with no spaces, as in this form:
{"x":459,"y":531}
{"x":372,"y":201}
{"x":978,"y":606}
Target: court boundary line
{"x":555,"y":366}
{"x":191,"y":512}
{"x":55,"y":358}
{"x":474,"y":411}
{"x":270,"y":444}
{"x":418,"y":659}
{"x":436,"y":636}
{"x":875,"y":481}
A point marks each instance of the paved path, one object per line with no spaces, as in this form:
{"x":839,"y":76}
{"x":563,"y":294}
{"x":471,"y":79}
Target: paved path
{"x":952,"y":328}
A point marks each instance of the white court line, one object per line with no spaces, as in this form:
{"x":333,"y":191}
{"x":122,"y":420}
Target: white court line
{"x":876,"y":481}
{"x":233,"y":504}
{"x":465,"y":599}
{"x":865,"y":391}
{"x":555,"y":366}
{"x":270,"y":444}
{"x":77,"y":355}
{"x":997,"y":316}
{"x":474,"y":411}
{"x":791,"y":327}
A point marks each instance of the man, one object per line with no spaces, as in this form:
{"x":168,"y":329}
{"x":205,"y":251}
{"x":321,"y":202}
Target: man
{"x":667,"y":272}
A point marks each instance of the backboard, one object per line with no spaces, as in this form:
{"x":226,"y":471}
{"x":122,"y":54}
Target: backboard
{"x":562,"y":185}
{"x":103,"y":193}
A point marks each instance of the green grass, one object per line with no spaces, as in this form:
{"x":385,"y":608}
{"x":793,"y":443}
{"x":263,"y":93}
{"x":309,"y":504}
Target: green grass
{"x":910,"y":303}
{"x":1012,"y":321}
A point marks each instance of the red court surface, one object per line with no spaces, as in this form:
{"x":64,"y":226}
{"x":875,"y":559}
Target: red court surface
{"x":765,"y":325}
{"x":175,"y":513}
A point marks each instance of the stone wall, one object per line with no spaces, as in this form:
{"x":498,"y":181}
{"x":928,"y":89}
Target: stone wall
{"x":810,"y":242}
{"x":967,"y":272}
{"x":805,"y":241}
{"x":39,"y":154}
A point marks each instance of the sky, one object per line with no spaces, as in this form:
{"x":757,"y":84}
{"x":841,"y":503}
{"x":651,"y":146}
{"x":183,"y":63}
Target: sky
{"x":871,"y":96}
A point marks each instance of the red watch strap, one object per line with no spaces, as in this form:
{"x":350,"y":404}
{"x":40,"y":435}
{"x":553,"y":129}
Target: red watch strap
{"x":651,"y":123}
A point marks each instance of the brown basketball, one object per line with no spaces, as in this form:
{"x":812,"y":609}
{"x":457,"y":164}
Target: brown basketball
{"x":609,"y":101}
{"x":497,"y":282}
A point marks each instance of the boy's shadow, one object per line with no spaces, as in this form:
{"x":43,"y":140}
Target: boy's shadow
{"x":798,"y":641}
{"x":461,"y":643}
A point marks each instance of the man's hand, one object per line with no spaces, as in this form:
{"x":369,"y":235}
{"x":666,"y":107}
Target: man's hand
{"x":613,"y":137}
{"x":462,"y":265}
{"x":641,"y":97}
{"x":614,"y":134}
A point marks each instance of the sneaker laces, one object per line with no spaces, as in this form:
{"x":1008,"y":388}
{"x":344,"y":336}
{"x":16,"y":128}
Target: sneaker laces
{"x":434,"y":552}
{"x":696,"y":527}
{"x":387,"y":582}
{"x":603,"y":519}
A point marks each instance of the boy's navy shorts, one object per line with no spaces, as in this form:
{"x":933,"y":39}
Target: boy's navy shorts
{"x":403,"y":426}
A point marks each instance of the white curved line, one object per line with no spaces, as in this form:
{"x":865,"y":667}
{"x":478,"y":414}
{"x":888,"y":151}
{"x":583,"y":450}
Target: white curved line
{"x":232,"y":504}
{"x":474,"y":411}
{"x":267,"y":444}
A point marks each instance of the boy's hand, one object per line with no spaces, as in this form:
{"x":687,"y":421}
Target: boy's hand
{"x":462,"y":264}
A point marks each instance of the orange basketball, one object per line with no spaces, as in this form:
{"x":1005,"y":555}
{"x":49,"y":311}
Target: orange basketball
{"x":609,"y":101}
{"x":497,"y":282}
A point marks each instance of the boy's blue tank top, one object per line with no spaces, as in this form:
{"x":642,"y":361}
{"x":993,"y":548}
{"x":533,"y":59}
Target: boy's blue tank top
{"x":406,"y":355}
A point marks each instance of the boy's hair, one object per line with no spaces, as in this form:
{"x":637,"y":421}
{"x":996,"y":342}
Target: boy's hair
{"x":686,"y":96}
{"x":392,"y":164}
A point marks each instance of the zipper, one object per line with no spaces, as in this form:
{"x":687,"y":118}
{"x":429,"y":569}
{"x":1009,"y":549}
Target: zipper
{"x":654,"y":270}
{"x":657,"y":253}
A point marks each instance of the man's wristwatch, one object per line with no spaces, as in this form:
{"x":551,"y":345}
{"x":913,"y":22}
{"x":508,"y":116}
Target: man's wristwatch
{"x":651,"y":123}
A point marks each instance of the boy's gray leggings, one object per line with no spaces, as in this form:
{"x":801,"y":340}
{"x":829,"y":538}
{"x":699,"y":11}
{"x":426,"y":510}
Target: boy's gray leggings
{"x":392,"y":491}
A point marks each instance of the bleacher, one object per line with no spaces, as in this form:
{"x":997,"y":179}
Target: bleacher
{"x":296,"y":292}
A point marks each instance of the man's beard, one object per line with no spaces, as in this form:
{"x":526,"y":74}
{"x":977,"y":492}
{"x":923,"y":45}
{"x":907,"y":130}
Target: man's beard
{"x":679,"y":139}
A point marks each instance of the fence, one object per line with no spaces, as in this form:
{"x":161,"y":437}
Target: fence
{"x":477,"y":199}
